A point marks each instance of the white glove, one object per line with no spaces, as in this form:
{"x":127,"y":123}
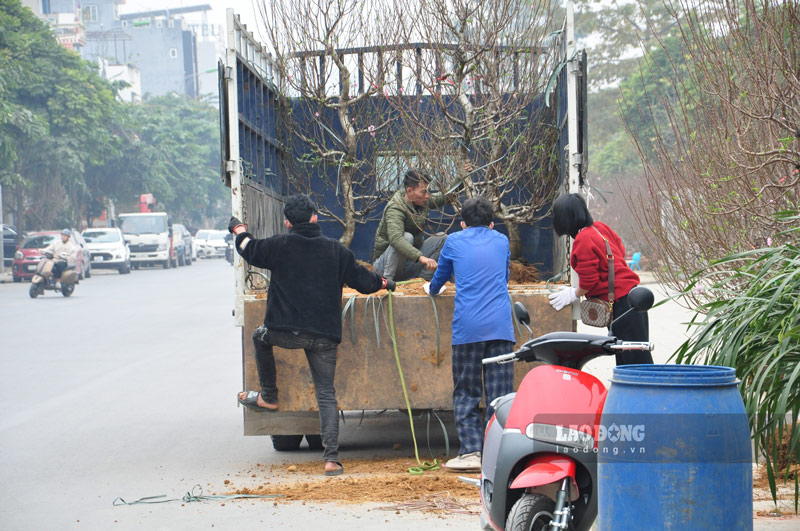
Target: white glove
{"x":427,"y":288}
{"x":563,"y":298}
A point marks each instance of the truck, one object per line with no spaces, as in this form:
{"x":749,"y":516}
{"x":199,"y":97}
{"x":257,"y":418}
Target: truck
{"x":367,"y":374}
{"x":149,"y":236}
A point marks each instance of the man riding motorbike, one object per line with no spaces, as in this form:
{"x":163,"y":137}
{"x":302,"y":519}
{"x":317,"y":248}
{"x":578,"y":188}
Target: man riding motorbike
{"x":64,"y":253}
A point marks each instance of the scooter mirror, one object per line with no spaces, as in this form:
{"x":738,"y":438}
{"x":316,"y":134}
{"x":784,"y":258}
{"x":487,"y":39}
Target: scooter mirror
{"x":641,"y":298}
{"x":521,"y":313}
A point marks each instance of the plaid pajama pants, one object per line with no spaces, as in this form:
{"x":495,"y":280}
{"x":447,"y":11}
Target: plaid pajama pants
{"x":498,"y":380}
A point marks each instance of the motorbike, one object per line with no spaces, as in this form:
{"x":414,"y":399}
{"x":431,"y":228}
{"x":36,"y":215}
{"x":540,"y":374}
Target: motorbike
{"x":539,"y":467}
{"x":43,"y":281}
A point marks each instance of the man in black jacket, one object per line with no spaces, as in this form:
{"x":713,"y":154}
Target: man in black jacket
{"x":304,"y":308}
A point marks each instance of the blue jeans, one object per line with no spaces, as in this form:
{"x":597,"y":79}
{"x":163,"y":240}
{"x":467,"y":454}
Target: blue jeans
{"x":321,"y":356}
{"x":498,"y":380}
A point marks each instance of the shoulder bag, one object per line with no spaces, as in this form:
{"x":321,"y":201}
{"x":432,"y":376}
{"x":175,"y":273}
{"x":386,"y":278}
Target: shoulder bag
{"x":597,"y":312}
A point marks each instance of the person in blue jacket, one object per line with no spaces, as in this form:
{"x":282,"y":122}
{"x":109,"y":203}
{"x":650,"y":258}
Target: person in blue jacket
{"x":479,"y":258}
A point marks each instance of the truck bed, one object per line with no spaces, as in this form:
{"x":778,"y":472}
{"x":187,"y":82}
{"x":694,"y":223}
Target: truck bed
{"x":366,"y":372}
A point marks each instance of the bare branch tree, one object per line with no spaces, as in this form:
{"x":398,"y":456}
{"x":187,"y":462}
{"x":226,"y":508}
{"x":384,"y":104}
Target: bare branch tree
{"x":327,"y":79}
{"x":474,"y":93}
{"x":724,"y":158}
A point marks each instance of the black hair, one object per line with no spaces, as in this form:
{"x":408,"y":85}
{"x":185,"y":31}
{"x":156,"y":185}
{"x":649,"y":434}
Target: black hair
{"x":299,"y":209}
{"x":570,"y":215}
{"x":477,"y":211}
{"x":413,"y":177}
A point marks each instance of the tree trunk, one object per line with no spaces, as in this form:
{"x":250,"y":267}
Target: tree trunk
{"x":349,"y":218}
{"x":514,"y":239}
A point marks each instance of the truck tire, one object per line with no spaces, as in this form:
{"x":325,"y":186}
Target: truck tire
{"x":314,"y":441}
{"x":166,"y":263}
{"x":286,"y":443}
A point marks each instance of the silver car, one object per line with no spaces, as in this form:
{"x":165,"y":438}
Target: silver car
{"x":108,"y":249}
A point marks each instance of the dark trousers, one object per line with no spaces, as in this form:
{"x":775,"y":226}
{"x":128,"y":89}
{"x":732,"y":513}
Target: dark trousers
{"x":58,"y":268}
{"x":498,"y":380}
{"x":633,"y":327}
{"x":392,"y":264}
{"x":321,"y":356}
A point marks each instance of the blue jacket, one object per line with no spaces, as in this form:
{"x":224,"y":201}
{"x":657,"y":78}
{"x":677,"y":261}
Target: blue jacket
{"x":479,"y":257}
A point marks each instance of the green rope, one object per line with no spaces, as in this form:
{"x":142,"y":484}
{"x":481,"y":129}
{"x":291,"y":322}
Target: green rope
{"x":554,"y":278}
{"x":195,"y":495}
{"x":422,"y":465}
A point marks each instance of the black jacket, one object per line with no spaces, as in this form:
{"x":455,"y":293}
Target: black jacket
{"x":308,"y":272}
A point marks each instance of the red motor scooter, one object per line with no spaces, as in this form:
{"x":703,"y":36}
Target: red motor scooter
{"x":539,"y":469}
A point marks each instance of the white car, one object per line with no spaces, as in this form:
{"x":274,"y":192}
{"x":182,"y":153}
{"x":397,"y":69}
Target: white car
{"x":108,"y":249}
{"x":199,"y":241}
{"x":214,"y":245}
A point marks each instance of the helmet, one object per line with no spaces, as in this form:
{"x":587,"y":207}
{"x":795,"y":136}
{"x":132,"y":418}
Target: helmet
{"x":66,"y":232}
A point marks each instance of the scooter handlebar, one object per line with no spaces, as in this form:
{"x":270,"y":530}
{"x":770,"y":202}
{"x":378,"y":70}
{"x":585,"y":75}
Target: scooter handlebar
{"x":502,"y":358}
{"x":620,"y":345}
{"x":633,"y":345}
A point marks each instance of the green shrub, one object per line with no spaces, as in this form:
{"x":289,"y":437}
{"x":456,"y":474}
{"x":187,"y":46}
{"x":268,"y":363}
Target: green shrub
{"x":752,"y":322}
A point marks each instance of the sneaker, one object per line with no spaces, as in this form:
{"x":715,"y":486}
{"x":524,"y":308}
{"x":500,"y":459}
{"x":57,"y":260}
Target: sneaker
{"x":465,"y":463}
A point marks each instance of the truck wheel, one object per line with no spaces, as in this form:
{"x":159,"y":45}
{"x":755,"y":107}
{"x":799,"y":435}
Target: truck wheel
{"x":135,"y":266}
{"x":532,"y":511}
{"x":286,"y":443}
{"x":166,"y":263}
{"x":314,"y":442}
{"x":125,"y":268}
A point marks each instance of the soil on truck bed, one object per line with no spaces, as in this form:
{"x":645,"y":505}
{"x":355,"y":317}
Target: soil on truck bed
{"x":522,"y":276}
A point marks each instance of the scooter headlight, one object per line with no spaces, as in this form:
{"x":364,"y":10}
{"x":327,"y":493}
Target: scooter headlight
{"x":560,"y":435}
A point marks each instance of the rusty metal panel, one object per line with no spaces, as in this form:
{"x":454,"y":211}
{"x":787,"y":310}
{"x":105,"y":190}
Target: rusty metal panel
{"x":366,"y":371}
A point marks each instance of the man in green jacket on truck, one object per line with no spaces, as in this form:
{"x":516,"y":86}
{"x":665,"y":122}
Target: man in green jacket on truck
{"x":401,"y":250}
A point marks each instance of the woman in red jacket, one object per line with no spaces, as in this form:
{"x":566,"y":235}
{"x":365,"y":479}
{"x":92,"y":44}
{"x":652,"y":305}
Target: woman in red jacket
{"x":590,"y":262}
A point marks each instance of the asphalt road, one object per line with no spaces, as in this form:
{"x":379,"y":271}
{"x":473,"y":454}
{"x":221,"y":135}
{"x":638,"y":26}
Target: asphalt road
{"x":127,"y":389}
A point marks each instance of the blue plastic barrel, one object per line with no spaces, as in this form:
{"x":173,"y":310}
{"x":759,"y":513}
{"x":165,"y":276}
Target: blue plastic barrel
{"x":674,"y":450}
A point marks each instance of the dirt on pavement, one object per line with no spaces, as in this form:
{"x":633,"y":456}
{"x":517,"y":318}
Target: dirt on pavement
{"x":380,"y":480}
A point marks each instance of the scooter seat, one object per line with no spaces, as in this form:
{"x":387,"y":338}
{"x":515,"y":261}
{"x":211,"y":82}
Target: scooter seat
{"x":502,"y":407}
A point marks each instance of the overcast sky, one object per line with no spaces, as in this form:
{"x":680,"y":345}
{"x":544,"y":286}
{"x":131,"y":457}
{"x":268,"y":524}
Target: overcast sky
{"x":215,"y":16}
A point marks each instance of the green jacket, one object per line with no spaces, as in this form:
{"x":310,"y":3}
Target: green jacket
{"x":398,"y":217}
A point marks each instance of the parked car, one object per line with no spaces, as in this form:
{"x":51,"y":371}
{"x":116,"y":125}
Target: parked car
{"x":182,"y":242}
{"x":28,"y":256}
{"x":108,"y":249}
{"x":199,"y":241}
{"x":9,"y":243}
{"x":83,"y":264}
{"x":214,"y":246}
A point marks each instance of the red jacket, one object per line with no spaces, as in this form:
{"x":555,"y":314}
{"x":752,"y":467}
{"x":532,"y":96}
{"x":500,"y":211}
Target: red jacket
{"x":589,"y":261}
